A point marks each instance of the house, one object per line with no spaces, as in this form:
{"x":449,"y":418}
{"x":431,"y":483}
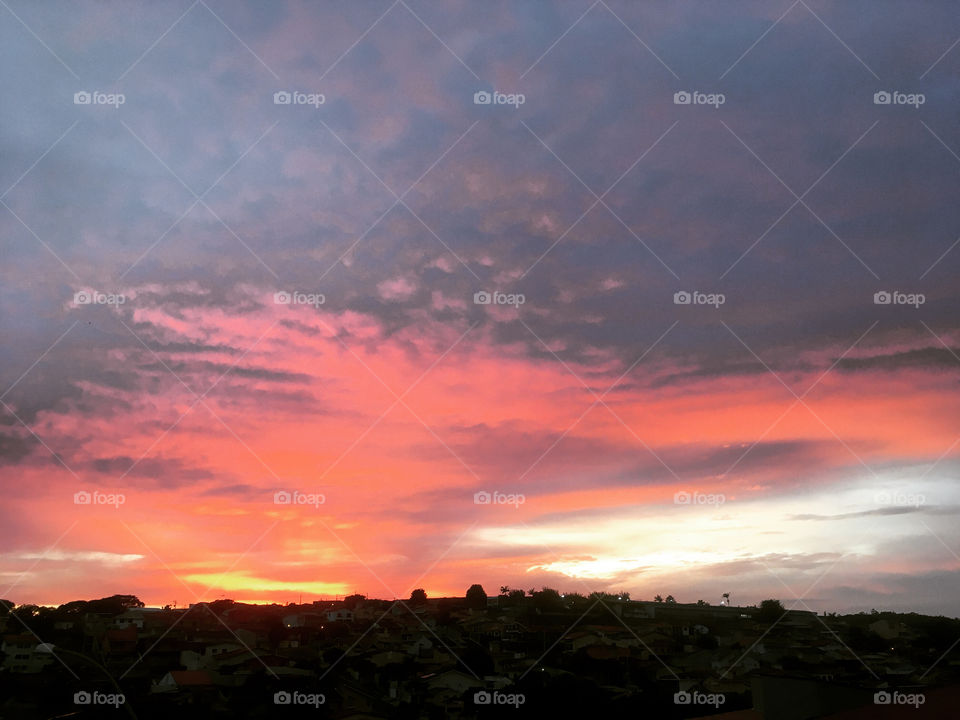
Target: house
{"x":207,"y":657}
{"x":580,"y":639}
{"x":21,"y":655}
{"x":313,"y":620}
{"x":453,"y":681}
{"x":132,"y":617}
{"x":120,"y":642}
{"x":656,"y":643}
{"x":388,"y":657}
{"x":342,"y":615}
{"x":733,"y":664}
{"x":180,"y":680}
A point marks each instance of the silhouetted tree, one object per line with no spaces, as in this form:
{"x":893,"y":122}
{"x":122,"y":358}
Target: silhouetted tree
{"x":702,"y":603}
{"x":6,"y":606}
{"x":74,"y":607}
{"x":26,"y":611}
{"x":670,"y":599}
{"x":476,"y":597}
{"x":114,"y":605}
{"x":658,"y":598}
{"x":34,"y":617}
{"x":218,"y":606}
{"x":418,"y":596}
{"x":351,"y":601}
{"x":547,"y":600}
{"x":770,"y":611}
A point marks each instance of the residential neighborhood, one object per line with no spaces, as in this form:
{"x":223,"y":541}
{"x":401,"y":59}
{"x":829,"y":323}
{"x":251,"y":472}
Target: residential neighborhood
{"x":520,"y":653}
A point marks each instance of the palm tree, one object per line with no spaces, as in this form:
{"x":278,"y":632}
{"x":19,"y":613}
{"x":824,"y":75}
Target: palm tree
{"x":726,"y":598}
{"x":658,"y":598}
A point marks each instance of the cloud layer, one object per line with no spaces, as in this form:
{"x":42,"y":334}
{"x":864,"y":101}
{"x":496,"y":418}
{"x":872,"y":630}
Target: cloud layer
{"x":208,"y":297}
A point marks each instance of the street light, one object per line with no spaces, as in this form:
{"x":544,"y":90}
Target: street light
{"x":51,"y":649}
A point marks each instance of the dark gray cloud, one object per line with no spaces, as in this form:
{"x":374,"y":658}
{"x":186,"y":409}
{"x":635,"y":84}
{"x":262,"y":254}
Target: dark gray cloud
{"x":935,"y":358}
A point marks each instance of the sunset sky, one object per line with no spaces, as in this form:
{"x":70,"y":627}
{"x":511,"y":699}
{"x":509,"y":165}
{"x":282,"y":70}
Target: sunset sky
{"x":815,"y":432}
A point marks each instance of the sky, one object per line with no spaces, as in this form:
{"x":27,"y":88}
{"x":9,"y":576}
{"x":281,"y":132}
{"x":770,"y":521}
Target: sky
{"x":388,"y":335}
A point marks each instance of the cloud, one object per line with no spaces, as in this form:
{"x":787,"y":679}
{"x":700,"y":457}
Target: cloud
{"x":935,"y":358}
{"x":304,"y":199}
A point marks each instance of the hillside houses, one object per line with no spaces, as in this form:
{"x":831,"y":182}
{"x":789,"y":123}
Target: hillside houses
{"x":380,"y":659}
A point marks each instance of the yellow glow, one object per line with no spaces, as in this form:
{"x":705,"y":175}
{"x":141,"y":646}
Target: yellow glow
{"x":239,"y":581}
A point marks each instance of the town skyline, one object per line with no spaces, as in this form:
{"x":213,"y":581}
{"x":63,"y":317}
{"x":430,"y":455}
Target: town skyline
{"x":315,"y":297}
